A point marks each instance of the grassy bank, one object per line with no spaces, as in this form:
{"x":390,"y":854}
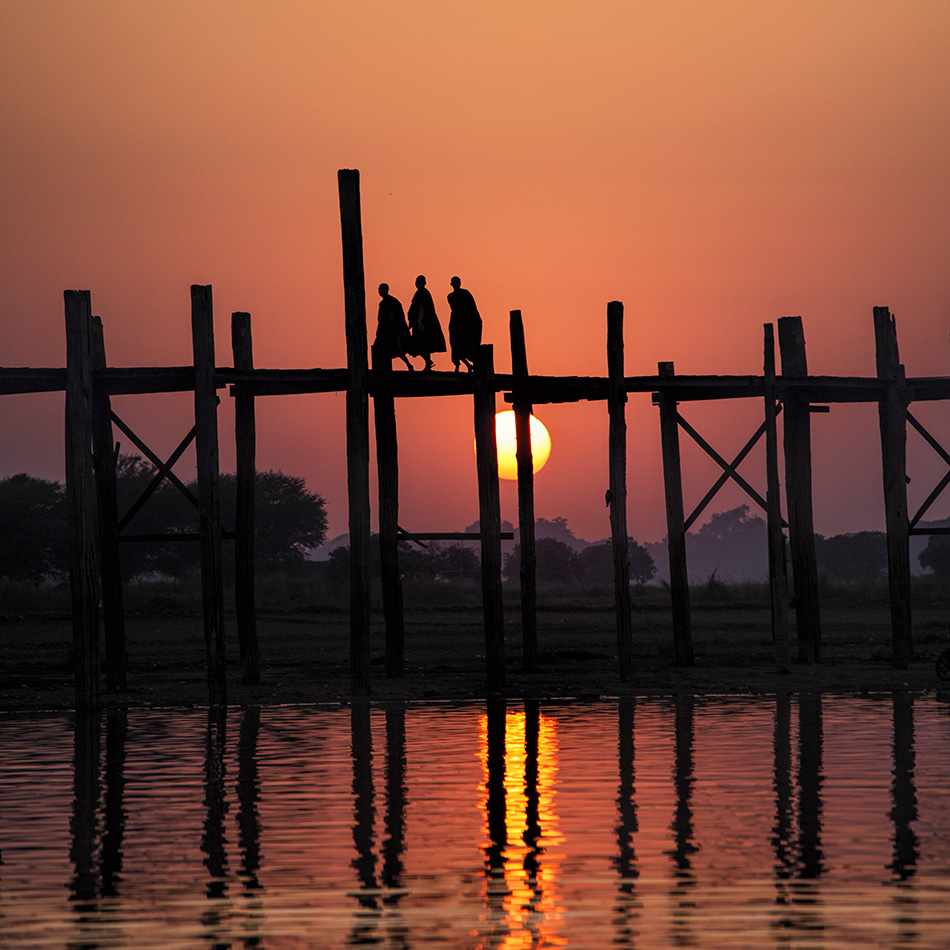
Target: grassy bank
{"x":304,"y":636}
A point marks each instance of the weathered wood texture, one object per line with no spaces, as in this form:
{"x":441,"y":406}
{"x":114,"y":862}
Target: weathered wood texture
{"x":245,"y":451}
{"x":798,"y":491}
{"x":675,"y":521}
{"x":81,"y":500}
{"x":357,"y":428}
{"x":892,"y":415}
{"x":617,"y":486}
{"x":387,"y":467}
{"x":525,"y":461}
{"x":209,"y":506}
{"x":106,"y":491}
{"x":489,"y":511}
{"x":778,"y":578}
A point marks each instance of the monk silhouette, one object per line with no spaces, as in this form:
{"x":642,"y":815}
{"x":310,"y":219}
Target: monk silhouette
{"x":424,"y":326}
{"x":465,"y":326}
{"x":392,"y":332}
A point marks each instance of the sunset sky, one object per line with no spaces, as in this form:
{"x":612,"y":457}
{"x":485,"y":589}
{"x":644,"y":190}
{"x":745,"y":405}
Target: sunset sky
{"x":714,"y":165}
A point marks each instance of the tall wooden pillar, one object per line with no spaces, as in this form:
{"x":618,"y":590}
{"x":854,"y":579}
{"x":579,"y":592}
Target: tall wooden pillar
{"x":387,"y":466}
{"x":489,"y":514}
{"x":617,"y":485}
{"x":106,"y":491}
{"x":81,"y":499}
{"x":675,"y":522}
{"x":209,"y":506}
{"x":892,"y":413}
{"x":357,"y":427}
{"x":778,"y":579}
{"x":798,"y":493}
{"x":245,"y":450}
{"x":524,"y":458}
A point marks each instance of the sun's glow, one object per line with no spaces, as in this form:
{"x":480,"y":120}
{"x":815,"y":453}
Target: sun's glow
{"x":507,"y":443}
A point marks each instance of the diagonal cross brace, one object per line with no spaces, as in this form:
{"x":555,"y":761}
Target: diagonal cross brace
{"x":942,"y":484}
{"x":728,"y":470}
{"x":164,"y":469}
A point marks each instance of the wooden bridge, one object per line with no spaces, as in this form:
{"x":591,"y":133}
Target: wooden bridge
{"x":95,"y":528}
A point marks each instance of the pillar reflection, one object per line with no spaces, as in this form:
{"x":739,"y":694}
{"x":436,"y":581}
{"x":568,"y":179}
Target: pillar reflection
{"x":519,"y":753}
{"x":213,"y":842}
{"x":782,"y":829}
{"x":395,"y":822}
{"x":248,"y":822}
{"x":810,"y":781}
{"x":906,"y":845}
{"x":84,"y":823}
{"x":626,"y":912}
{"x":114,"y":813}
{"x":364,"y":819}
{"x":684,"y":878}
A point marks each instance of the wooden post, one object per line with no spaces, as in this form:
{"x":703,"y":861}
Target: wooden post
{"x":387,"y":466}
{"x":675,"y":522}
{"x":209,"y":508}
{"x":489,"y":513}
{"x":357,"y":427}
{"x":617,"y":485}
{"x":103,"y":452}
{"x":81,"y":499}
{"x":778,"y":581}
{"x":892,"y":414}
{"x":798,"y":495}
{"x":525,"y":460}
{"x":245,"y":450}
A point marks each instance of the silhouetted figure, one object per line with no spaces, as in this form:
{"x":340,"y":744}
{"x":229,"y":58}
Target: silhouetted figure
{"x":424,"y":326}
{"x":392,"y":332}
{"x":465,"y":326}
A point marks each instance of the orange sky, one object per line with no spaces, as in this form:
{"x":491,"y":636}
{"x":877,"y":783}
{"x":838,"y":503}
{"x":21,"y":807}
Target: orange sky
{"x":714,"y":165}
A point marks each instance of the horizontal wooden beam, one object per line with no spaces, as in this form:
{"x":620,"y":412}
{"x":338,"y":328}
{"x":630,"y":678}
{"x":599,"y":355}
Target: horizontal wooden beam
{"x":284,"y":382}
{"x":26,"y":380}
{"x":134,"y":380}
{"x":448,"y":535}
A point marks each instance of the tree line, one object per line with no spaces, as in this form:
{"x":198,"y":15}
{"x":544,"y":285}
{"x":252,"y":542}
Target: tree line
{"x":290,"y":521}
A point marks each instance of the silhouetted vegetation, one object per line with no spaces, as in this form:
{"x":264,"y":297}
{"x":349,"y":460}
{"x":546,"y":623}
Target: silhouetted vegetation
{"x":32,"y":530}
{"x":936,"y":556}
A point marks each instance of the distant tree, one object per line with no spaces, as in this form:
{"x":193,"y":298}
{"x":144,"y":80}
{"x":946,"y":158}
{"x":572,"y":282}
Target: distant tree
{"x":596,"y":563}
{"x":32,"y":529}
{"x":556,"y":563}
{"x":457,"y":562}
{"x":935,"y":557}
{"x":859,"y":558}
{"x":289,"y":520}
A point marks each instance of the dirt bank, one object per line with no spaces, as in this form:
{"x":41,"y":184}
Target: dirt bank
{"x":305,"y":657}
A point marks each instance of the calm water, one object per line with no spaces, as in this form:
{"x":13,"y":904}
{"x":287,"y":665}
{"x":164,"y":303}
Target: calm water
{"x":800,"y":821}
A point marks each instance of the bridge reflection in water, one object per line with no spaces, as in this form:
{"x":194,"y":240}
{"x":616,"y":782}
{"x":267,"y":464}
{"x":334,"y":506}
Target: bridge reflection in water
{"x":794,"y":820}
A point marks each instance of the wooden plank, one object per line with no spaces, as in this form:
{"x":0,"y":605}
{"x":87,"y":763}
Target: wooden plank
{"x":15,"y":380}
{"x":209,"y":513}
{"x":489,"y":513}
{"x":138,"y":380}
{"x":106,"y":490}
{"x":448,"y":535}
{"x":798,"y":491}
{"x":778,"y":577}
{"x":525,"y":461}
{"x":357,"y":428}
{"x":387,"y":468}
{"x":675,"y":522}
{"x":892,"y":416}
{"x":81,"y":500}
{"x":617,"y":486}
{"x":245,"y":451}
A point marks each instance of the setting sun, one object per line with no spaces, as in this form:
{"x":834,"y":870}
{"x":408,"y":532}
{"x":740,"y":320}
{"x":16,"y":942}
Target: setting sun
{"x":507,"y":444}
